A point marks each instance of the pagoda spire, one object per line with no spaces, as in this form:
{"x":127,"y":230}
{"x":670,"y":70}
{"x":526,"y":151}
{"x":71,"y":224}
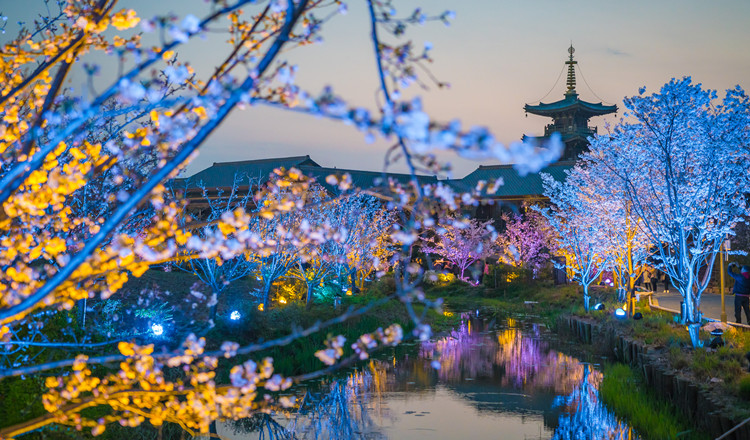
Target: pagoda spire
{"x":570,"y":115}
{"x":571,"y":72}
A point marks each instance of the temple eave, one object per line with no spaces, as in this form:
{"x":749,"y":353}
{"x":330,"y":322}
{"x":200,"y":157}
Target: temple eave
{"x":565,"y":106}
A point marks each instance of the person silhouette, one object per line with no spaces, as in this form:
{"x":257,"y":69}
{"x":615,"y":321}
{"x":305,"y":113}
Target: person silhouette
{"x":741,"y":291}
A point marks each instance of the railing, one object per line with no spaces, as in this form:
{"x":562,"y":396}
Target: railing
{"x":677,"y":312}
{"x":733,"y":429}
{"x":552,"y":128}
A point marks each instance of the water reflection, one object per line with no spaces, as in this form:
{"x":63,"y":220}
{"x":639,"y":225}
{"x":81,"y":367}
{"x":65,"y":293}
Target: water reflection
{"x":508,"y":383}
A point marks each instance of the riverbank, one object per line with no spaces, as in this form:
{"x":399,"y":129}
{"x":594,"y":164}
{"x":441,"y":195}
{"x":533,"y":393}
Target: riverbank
{"x":718,"y":374}
{"x":625,"y":390}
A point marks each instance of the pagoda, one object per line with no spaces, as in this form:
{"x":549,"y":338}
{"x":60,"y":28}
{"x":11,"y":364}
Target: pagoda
{"x":570,"y":116}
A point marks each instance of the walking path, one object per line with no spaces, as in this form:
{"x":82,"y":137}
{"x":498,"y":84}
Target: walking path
{"x":710,"y":305}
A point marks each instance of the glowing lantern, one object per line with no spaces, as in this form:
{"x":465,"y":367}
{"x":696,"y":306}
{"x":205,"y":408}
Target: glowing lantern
{"x":235,"y":315}
{"x":157,"y":329}
{"x":260,"y":307}
{"x":282,"y":300}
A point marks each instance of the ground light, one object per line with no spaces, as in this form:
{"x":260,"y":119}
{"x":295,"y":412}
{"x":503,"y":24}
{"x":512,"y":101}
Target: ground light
{"x":235,"y":315}
{"x":157,"y":329}
{"x":599,"y":306}
{"x":620,"y":313}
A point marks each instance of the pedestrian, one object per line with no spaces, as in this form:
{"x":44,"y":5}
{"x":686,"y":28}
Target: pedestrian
{"x":647,"y":279}
{"x":654,"y":275}
{"x":666,"y":280}
{"x":741,"y":292}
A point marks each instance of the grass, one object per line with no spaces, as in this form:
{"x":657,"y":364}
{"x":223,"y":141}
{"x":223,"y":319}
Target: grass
{"x":624,"y":391}
{"x":546,"y":301}
{"x":658,"y":329}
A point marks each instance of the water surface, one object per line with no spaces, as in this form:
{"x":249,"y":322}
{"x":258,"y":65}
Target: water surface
{"x":480,"y":382}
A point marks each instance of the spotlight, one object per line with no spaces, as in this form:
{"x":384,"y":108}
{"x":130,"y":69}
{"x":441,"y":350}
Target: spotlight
{"x":599,"y":306}
{"x":620,"y":313}
{"x":157,"y":329}
{"x":637,"y":315}
{"x":235,"y":315}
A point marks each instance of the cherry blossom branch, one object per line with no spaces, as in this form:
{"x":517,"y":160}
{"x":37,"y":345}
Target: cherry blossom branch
{"x":251,"y":348}
{"x":183,"y":155}
{"x":15,"y":177}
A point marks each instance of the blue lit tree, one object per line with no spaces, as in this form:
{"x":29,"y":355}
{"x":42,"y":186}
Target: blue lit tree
{"x":573,"y":216}
{"x":683,"y":162}
{"x":605,"y":204}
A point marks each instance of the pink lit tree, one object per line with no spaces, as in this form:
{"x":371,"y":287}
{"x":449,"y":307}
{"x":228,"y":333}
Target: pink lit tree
{"x":527,"y":240}
{"x":461,"y":242}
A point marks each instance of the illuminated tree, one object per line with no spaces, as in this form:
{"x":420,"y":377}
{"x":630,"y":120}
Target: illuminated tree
{"x":214,"y":269}
{"x":527,"y":240}
{"x":461,"y":242}
{"x":367,"y":226}
{"x":282,"y":248}
{"x":683,"y":162}
{"x":572,"y":216}
{"x":608,"y":206}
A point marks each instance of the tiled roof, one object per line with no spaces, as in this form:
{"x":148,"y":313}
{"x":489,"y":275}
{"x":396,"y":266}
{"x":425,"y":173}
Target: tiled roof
{"x":363,"y":179}
{"x":221,"y":174}
{"x":514,"y":185}
{"x":569,"y":103}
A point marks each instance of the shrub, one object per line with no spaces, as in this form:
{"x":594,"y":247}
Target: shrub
{"x":744,"y":387}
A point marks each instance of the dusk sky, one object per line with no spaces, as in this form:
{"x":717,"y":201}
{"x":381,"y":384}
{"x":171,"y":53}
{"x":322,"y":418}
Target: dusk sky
{"x":497,"y":56}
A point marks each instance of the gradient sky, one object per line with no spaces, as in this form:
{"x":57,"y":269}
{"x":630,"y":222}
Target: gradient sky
{"x":497,"y":56}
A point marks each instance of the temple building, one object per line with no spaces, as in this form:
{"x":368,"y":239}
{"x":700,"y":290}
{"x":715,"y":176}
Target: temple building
{"x":570,"y":115}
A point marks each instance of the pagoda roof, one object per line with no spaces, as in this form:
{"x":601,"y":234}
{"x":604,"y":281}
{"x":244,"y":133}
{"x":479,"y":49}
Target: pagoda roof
{"x":570,"y":103}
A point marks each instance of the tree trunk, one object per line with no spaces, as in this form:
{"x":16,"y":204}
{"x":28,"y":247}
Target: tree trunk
{"x":266,"y":292}
{"x":586,"y":297}
{"x":310,"y":289}
{"x":215,"y":307}
{"x":213,"y":312}
{"x":81,"y":305}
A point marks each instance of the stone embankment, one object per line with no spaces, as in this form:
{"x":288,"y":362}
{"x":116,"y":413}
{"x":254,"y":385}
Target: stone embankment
{"x":695,"y":401}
